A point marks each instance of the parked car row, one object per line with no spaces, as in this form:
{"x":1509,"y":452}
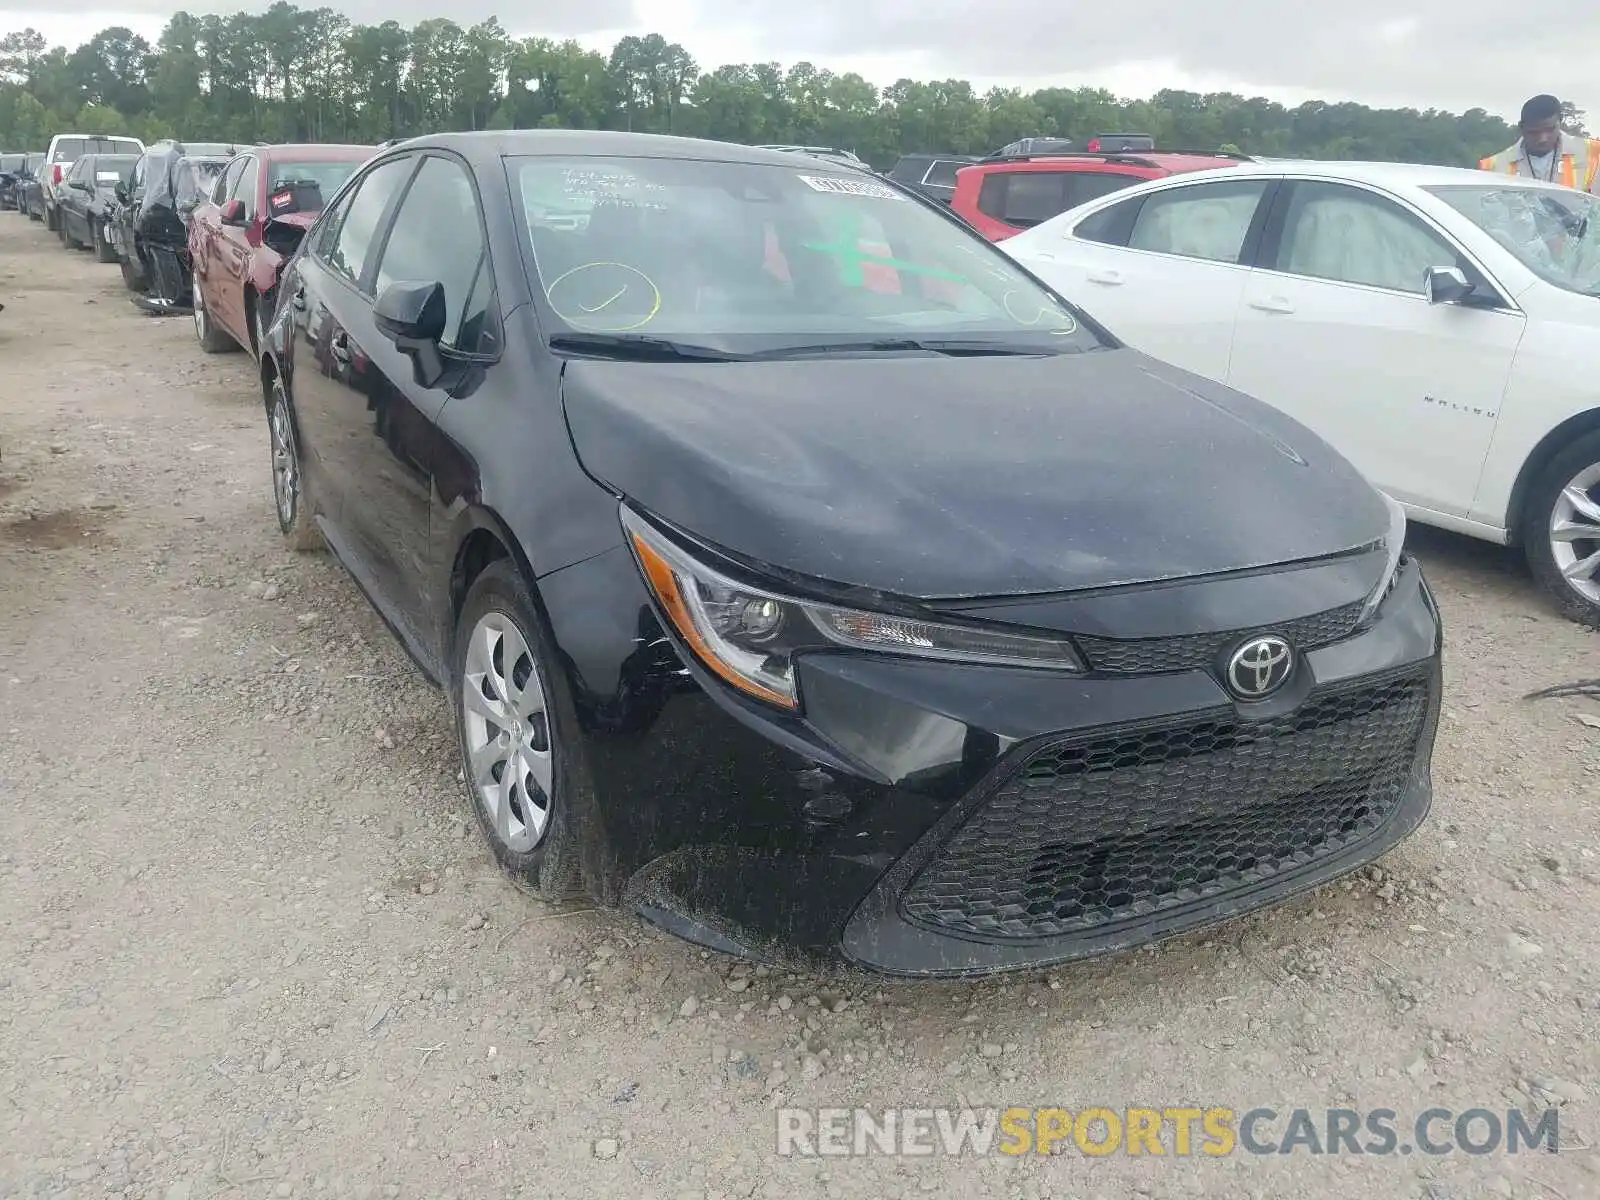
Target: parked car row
{"x":809,"y":573}
{"x":203,"y":227}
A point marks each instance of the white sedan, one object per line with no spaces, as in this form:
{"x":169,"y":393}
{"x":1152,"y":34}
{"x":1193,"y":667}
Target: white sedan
{"x":1440,"y":327}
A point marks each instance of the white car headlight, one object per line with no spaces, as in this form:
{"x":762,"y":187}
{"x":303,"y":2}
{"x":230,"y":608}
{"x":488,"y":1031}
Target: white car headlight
{"x":749,"y":636}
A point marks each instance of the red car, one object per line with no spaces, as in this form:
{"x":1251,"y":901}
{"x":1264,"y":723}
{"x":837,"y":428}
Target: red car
{"x":1003,"y":196}
{"x":262,"y":206}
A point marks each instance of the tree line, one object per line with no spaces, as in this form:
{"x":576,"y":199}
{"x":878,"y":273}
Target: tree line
{"x":297,"y":74}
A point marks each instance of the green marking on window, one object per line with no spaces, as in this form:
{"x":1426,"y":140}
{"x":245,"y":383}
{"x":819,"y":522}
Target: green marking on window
{"x":846,"y":247}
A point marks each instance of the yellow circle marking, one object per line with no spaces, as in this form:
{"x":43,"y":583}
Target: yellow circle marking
{"x":655,"y":292}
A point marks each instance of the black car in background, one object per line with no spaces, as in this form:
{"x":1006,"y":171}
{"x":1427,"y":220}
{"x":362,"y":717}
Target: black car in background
{"x":13,"y":173}
{"x":167,"y":182}
{"x":804,"y":574}
{"x":31,"y":197}
{"x":89,"y":202}
{"x":934,"y":175}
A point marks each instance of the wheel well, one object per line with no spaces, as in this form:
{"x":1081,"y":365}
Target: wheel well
{"x":269,"y":372}
{"x":479,"y":550}
{"x":1552,"y":444}
{"x":250,"y":315}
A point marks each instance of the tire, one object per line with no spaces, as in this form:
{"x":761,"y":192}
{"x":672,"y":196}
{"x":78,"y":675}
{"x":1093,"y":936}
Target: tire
{"x":103,"y":250}
{"x":133,"y":277}
{"x":295,"y":510}
{"x":1550,"y":506}
{"x":34,"y":216}
{"x":212,"y":340}
{"x":52,"y":219}
{"x":542,"y":859}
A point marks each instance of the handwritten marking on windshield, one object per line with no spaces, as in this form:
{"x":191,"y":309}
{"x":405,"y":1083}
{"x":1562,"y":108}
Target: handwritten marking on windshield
{"x":605,"y":303}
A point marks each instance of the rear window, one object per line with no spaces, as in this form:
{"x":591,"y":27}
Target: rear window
{"x":1024,"y":199}
{"x":943,"y":173}
{"x":12,"y":162}
{"x":328,"y":177}
{"x":71,"y":149}
{"x":111,"y":168}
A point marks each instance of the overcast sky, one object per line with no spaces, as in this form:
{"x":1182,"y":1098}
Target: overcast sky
{"x":1444,"y":53}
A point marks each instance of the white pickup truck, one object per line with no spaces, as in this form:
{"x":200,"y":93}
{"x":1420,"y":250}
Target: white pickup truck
{"x":65,"y":149}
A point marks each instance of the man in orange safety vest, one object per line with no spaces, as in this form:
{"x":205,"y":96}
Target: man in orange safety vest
{"x":1545,"y":152}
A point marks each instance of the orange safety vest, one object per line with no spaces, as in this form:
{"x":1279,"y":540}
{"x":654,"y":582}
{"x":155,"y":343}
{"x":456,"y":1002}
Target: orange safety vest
{"x":1579,"y":159}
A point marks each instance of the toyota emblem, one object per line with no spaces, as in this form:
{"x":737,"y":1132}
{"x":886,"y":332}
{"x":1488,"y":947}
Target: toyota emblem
{"x":1260,"y":667}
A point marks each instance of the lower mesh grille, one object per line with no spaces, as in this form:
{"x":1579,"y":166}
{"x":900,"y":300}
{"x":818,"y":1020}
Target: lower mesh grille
{"x":1191,"y":652}
{"x":1090,"y":834}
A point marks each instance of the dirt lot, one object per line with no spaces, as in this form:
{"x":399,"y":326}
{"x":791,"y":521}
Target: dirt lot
{"x":249,"y":946}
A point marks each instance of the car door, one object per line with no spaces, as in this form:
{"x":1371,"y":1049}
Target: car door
{"x":1337,"y":331}
{"x":1163,"y":270}
{"x":205,"y":231}
{"x":231,"y":257}
{"x":129,"y":208}
{"x":74,"y":199}
{"x":436,"y":236}
{"x":327,"y":300}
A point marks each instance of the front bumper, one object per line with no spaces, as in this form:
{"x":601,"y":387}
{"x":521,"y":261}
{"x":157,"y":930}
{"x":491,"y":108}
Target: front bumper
{"x":924,"y":820}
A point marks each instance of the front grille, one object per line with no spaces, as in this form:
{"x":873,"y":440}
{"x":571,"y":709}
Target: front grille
{"x":1190,"y":652}
{"x":1089,"y":834}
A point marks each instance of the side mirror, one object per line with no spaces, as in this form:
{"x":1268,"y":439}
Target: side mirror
{"x":233,"y":212}
{"x":79,"y":185}
{"x":1445,"y":285}
{"x":412,"y":316}
{"x":120,"y":191}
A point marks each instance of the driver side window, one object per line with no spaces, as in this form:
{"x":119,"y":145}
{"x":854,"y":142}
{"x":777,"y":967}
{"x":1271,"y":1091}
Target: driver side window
{"x":1353,"y":236}
{"x":225,"y":184}
{"x":244,"y":187}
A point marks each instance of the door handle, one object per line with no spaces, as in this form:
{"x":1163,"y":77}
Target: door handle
{"x":1272,"y":304}
{"x":1109,"y":278}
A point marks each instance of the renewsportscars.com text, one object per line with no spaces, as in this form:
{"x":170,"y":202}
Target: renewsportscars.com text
{"x":1186,"y":1131}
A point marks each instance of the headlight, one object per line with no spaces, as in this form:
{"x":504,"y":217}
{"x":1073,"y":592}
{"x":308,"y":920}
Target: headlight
{"x":749,"y":636}
{"x":1394,"y":543}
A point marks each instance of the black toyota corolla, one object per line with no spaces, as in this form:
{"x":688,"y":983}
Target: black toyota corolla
{"x":807,"y":577}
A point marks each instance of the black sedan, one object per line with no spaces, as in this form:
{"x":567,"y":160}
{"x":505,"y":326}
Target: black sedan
{"x":807,"y":577}
{"x":26,"y":196}
{"x":13,"y":172}
{"x":89,"y":202}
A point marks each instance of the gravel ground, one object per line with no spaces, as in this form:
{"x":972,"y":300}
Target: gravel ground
{"x":250,"y":947}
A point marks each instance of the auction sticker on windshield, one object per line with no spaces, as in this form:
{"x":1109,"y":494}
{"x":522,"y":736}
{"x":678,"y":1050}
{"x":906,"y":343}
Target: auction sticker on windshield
{"x":850,"y":187}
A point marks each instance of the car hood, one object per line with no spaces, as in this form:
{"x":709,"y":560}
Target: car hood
{"x":968,"y":477}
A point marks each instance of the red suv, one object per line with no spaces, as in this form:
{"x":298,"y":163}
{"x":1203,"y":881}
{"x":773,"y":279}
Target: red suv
{"x":1003,"y":196}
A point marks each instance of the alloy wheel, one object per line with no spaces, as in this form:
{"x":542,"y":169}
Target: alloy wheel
{"x":1575,"y":533}
{"x":506,"y":721}
{"x":285,"y":463}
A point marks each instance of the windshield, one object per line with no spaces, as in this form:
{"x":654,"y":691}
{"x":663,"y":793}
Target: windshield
{"x":1553,"y":232}
{"x":194,"y":179}
{"x":752,"y":257}
{"x":328,"y":177}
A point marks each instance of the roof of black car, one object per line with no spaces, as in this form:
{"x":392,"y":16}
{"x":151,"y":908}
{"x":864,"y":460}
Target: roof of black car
{"x":501,"y":143}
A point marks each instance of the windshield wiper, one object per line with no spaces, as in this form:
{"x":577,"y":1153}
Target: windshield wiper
{"x":955,"y":348}
{"x":639,"y":348}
